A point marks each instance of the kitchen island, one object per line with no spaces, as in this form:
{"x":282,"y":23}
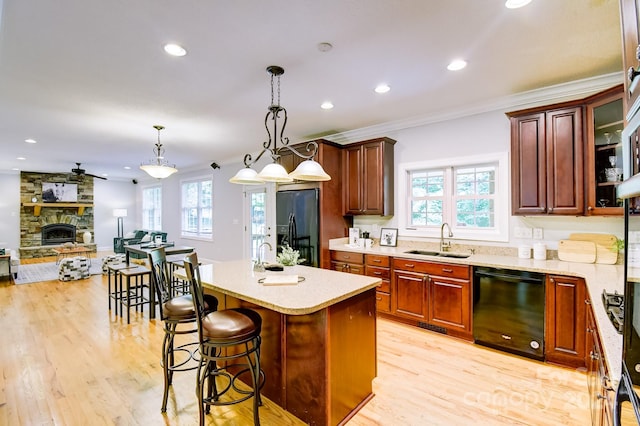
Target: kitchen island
{"x":318,"y":336}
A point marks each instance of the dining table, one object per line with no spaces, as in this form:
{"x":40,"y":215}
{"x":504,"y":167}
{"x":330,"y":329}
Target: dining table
{"x":144,"y":249}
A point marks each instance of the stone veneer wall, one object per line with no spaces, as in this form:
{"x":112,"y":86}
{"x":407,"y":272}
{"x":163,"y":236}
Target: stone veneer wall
{"x":31,"y":226}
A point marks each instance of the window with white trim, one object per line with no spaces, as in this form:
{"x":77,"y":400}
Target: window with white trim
{"x":465,"y":193}
{"x":197,"y":208}
{"x":152,"y":208}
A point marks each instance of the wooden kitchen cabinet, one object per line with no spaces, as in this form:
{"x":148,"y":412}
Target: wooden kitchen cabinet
{"x":547,"y":160}
{"x":565,"y":321}
{"x":379,"y":267}
{"x":367,"y":175}
{"x":347,"y":261}
{"x":450,"y":299}
{"x":603,"y":156}
{"x":601,"y":393}
{"x":433,"y":295}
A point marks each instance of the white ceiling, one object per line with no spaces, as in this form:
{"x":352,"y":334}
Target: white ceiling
{"x":88,"y":78}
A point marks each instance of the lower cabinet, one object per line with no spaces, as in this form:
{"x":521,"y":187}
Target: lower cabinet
{"x":601,"y":394}
{"x":565,"y":314}
{"x":436,"y":295}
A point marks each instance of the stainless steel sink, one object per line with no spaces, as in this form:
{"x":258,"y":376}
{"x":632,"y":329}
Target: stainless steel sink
{"x":438,"y":253}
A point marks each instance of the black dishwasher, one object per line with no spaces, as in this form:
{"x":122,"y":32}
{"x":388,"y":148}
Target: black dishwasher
{"x":508,"y":310}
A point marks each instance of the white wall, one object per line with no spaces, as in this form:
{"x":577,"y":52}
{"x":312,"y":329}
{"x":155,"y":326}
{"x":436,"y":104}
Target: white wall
{"x":10,"y":210}
{"x":478,"y":134}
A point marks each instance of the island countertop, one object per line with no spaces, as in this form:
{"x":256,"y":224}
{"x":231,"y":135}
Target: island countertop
{"x":319,"y":289}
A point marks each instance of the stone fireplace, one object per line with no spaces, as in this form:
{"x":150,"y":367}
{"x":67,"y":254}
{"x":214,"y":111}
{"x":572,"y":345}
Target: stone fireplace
{"x":44,"y":226}
{"x":58,"y":233}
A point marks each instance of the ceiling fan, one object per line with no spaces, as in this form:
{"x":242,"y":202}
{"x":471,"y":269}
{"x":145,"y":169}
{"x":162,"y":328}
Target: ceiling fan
{"x":81,"y":172}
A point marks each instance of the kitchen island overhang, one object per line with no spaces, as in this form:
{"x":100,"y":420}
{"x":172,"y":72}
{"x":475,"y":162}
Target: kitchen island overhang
{"x":318,"y":336}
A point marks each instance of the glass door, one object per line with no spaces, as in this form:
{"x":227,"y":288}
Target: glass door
{"x":258,"y":223}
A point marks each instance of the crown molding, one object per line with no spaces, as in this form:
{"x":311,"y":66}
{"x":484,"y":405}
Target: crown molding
{"x":543,"y":96}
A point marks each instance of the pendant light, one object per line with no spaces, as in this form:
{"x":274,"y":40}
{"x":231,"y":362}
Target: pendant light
{"x":159,"y":167}
{"x":308,"y":170}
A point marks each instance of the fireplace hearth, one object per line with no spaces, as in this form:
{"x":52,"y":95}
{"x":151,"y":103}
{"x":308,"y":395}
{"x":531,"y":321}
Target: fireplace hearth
{"x":58,"y":233}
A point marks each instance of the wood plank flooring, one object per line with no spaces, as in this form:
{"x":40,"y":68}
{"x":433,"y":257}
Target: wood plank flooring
{"x":65,"y":359}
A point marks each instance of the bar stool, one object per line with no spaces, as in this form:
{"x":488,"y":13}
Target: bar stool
{"x":175,"y":311}
{"x":113,"y":271}
{"x":178,"y":286}
{"x":133,"y":294}
{"x":226,"y":338}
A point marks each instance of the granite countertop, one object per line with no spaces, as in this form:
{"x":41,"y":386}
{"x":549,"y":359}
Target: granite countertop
{"x":319,"y":289}
{"x":598,"y":277}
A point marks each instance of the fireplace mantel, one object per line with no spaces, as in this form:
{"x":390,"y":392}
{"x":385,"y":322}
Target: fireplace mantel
{"x":38,"y":206}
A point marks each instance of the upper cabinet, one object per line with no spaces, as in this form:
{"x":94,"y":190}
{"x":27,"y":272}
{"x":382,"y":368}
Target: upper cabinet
{"x":629,"y":11}
{"x":566,"y":159}
{"x":367,"y":176}
{"x":547,"y":160}
{"x":604,"y":124}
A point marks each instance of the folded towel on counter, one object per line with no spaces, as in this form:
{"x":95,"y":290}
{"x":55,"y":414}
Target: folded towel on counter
{"x":279,"y":279}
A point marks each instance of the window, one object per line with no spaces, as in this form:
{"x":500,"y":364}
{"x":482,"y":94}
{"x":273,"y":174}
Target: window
{"x":152,"y":208}
{"x":465,"y":192}
{"x":197,"y":211}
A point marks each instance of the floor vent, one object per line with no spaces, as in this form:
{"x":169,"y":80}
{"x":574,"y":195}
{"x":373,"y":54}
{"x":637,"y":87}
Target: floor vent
{"x":432,"y":327}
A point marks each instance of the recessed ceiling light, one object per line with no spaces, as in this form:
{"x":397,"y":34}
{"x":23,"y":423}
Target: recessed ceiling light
{"x":30,"y":141}
{"x":514,"y":4}
{"x":326,"y":105}
{"x":382,"y":88}
{"x":127,"y":168}
{"x":325,"y":47}
{"x":20,"y":158}
{"x":457,"y":64}
{"x":174,"y":49}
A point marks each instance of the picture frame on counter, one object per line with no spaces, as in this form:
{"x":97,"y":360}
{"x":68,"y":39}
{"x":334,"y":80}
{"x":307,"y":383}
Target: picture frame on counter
{"x":389,"y":237}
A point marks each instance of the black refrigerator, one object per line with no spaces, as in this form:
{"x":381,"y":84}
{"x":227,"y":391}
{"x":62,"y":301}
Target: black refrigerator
{"x":297,"y":223}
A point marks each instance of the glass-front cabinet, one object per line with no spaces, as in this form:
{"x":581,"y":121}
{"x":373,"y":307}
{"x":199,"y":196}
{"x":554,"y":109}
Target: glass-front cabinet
{"x":605,"y":121}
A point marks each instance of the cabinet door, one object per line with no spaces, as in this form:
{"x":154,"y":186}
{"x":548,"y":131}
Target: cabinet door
{"x":565,"y":160}
{"x":565,"y":321}
{"x":630,"y":16}
{"x":450,"y":303}
{"x":352,"y":180}
{"x":603,"y":156}
{"x":372,"y":195}
{"x":528,"y":164}
{"x":410,"y":299}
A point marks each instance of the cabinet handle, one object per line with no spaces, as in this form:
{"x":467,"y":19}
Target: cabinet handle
{"x":587,"y":301}
{"x":589,"y":208}
{"x":377,"y":260}
{"x":542,"y":208}
{"x":377,"y":273}
{"x":447,"y":270}
{"x":409,"y":265}
{"x":594,"y":356}
{"x":552,"y":281}
{"x":632,"y":73}
{"x":550,"y":209}
{"x":378,"y":298}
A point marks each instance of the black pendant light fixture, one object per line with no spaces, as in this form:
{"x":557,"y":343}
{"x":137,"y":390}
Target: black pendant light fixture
{"x":307,"y":170}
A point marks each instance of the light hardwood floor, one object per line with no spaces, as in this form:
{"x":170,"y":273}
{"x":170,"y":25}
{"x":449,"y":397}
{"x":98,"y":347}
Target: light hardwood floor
{"x":65,"y":359}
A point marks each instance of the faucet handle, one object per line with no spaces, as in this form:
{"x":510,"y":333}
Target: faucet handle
{"x":258,"y":266}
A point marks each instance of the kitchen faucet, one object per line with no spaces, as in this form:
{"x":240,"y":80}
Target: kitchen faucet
{"x":445,"y":245}
{"x":259,"y":266}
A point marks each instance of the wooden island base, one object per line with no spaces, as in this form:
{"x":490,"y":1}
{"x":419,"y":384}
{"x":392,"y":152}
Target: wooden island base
{"x":318,"y":366}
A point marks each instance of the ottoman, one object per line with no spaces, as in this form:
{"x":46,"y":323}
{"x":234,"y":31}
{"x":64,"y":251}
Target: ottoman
{"x":73,"y":268}
{"x":114,"y":259}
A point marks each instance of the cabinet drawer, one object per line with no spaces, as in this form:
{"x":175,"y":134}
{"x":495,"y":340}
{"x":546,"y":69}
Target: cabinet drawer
{"x":384,"y":287}
{"x":347,"y":256}
{"x":374,"y":271}
{"x":400,"y":264}
{"x":448,"y":270}
{"x":383,"y":302}
{"x":376,"y":260}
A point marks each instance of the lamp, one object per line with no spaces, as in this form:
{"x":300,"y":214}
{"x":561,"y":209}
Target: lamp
{"x":308,"y":170}
{"x":120,"y":214}
{"x":159,"y":167}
